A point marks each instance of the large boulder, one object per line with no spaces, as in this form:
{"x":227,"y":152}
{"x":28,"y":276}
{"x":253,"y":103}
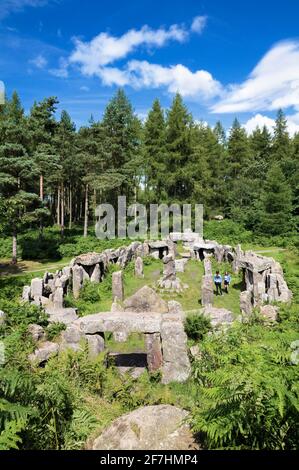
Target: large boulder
{"x":159,"y":427}
{"x":88,"y":259}
{"x":218,"y":316}
{"x":146,"y":300}
{"x":62,"y":315}
{"x":36,"y":332}
{"x":269,"y":312}
{"x":44,"y":352}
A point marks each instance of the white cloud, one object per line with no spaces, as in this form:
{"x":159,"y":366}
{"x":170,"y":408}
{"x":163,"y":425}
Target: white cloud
{"x":176,"y":78}
{"x":39,"y":62}
{"x":13,"y":6}
{"x":198,"y":24}
{"x":273,"y":84}
{"x":260,"y":121}
{"x":105,"y":49}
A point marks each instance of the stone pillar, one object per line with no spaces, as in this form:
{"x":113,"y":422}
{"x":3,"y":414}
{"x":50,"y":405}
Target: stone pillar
{"x":246,"y":302}
{"x":118,"y":286}
{"x":207,"y":291}
{"x":219,"y":253}
{"x":96,"y":274}
{"x":176,"y":365}
{"x":96,"y":345}
{"x":58,"y":298}
{"x":139,"y":267}
{"x":207,"y":266}
{"x":36,"y":288}
{"x":78,"y":274}
{"x":154,"y":351}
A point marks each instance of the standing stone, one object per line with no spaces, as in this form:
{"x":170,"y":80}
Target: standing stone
{"x":176,"y":366}
{"x":169,"y":268}
{"x":26,"y":294}
{"x":96,"y":274}
{"x":269,"y":312}
{"x":77,"y":280}
{"x":58,"y":298}
{"x":207,"y":266}
{"x":36,"y":287}
{"x":139,"y":267}
{"x":154,"y":351}
{"x":180,"y":265}
{"x":246,"y":302}
{"x":96,"y":345}
{"x":207,"y":291}
{"x":117,"y":286}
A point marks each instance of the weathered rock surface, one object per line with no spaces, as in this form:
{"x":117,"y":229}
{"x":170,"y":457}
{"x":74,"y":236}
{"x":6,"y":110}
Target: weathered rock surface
{"x":78,"y":275}
{"x":36,"y":287}
{"x":269,"y":312}
{"x":207,"y":290}
{"x":154,"y":351}
{"x":62,"y":315}
{"x":139,"y":267}
{"x":44,"y":352}
{"x":219,"y":316}
{"x":145,"y":300}
{"x":176,"y":365}
{"x":246,"y":302}
{"x":117,"y":285}
{"x":96,"y":345}
{"x":36,"y":331}
{"x":159,"y":427}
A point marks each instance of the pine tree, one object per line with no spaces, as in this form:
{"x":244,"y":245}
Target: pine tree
{"x":155,"y":151}
{"x":276,"y":204}
{"x":19,"y":205}
{"x":281,"y":141}
{"x":179,"y":150}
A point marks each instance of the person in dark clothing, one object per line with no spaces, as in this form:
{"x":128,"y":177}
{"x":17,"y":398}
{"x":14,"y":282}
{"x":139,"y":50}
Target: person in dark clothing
{"x":218,"y":282}
{"x":227,"y":280}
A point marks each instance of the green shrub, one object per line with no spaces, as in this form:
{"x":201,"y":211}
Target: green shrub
{"x":54,"y":329}
{"x":196,"y":326}
{"x":90,"y":292}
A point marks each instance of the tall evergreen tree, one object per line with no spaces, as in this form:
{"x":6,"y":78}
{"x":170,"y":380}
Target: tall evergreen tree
{"x":155,"y":151}
{"x":179,"y":150}
{"x":276,"y":204}
{"x":18,"y":205}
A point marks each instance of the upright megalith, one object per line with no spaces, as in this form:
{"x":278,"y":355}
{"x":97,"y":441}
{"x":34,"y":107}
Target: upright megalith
{"x":36,"y":288}
{"x":207,"y":290}
{"x":207,"y":266}
{"x":169,"y":281}
{"x":153,"y":351}
{"x":117,"y":286}
{"x":139,"y":267}
{"x":96,"y":274}
{"x":78,"y":276}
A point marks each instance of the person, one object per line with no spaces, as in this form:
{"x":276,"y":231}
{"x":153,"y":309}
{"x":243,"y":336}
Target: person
{"x":227,"y":279}
{"x":218,"y":282}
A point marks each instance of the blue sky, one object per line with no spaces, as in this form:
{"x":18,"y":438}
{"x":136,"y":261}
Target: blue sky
{"x":227,"y":58}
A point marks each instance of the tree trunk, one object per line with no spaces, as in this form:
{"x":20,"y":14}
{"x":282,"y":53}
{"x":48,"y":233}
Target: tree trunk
{"x":62,"y":211}
{"x":41,"y":187}
{"x":86,"y":212}
{"x":14,"y":258}
{"x":58,"y":206}
{"x":71,"y":207}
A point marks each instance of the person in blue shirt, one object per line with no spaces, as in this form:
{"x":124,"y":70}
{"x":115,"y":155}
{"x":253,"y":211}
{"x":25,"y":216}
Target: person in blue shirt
{"x":227,"y":280}
{"x":218,"y":282}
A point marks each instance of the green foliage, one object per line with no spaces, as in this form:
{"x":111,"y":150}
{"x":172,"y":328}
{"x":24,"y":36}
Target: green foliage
{"x":54,"y":329}
{"x":196,"y":326}
{"x":248,"y":388}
